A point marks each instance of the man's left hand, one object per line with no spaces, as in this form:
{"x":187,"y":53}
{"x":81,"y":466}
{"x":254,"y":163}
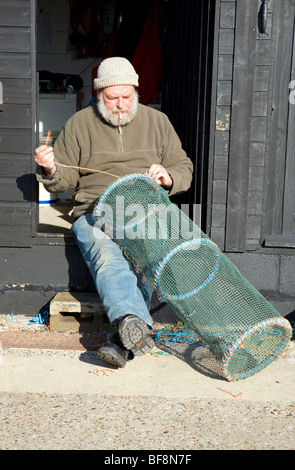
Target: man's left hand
{"x":160,"y":175}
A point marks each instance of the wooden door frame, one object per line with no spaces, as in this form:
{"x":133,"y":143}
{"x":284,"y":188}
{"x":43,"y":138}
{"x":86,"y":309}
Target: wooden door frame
{"x":279,"y":224}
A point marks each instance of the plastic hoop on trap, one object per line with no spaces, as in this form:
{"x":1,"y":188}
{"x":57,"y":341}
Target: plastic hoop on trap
{"x":276,"y":326}
{"x":107,"y":195}
{"x":190,"y":243}
{"x":242,"y":330}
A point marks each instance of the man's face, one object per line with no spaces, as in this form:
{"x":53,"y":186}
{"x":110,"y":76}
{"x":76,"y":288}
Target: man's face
{"x":118,"y":104}
{"x":118,"y":97}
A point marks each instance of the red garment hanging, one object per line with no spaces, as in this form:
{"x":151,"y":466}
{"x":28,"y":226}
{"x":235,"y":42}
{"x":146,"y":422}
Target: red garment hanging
{"x":147,"y":59}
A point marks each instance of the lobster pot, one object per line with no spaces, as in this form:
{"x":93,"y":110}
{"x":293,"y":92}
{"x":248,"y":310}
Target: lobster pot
{"x":243,"y":331}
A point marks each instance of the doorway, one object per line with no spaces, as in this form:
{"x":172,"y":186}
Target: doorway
{"x":73,"y":37}
{"x":186,"y":94}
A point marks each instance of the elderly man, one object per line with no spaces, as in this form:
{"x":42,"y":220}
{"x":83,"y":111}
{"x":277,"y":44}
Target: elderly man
{"x":117,"y":136}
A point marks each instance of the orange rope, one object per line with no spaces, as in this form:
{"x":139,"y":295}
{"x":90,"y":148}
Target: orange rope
{"x":78,"y":167}
{"x":87,"y":169}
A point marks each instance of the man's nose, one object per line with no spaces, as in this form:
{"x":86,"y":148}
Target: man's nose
{"x":120,"y":103}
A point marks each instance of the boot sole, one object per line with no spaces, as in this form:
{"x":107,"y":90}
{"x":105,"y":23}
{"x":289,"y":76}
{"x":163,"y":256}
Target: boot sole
{"x":135,"y":335}
{"x":111,"y":355}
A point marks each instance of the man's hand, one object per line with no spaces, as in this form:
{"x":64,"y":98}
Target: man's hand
{"x":44,"y":156}
{"x":160,"y":175}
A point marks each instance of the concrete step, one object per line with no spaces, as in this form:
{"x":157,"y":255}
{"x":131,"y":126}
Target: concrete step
{"x":77,"y":311}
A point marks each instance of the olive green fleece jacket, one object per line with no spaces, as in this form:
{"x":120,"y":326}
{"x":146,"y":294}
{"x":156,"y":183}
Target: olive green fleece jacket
{"x":88,"y":141}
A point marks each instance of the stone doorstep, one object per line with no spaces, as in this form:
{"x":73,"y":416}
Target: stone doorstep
{"x":77,"y":311}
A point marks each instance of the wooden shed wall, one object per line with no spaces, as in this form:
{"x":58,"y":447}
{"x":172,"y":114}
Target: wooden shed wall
{"x":17,"y":122}
{"x":246,"y":76}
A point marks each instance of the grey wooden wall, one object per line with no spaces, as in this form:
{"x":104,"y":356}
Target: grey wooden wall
{"x":17,"y":122}
{"x":247,"y":127}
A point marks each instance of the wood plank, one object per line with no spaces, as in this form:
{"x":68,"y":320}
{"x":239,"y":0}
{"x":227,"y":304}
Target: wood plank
{"x":17,"y":189}
{"x":15,"y":13}
{"x":289,"y":187}
{"x":220,"y":167}
{"x":219,"y":191}
{"x":260,"y":104}
{"x":15,"y":213}
{"x":16,"y":142}
{"x":14,"y":165}
{"x":226,"y":41}
{"x":243,"y":77}
{"x":15,"y":65}
{"x":221,"y":142}
{"x":227,"y":14}
{"x":225,"y":64}
{"x":215,"y":95}
{"x":217,"y":236}
{"x":16,"y":90}
{"x":261,"y":78}
{"x":280,"y":241}
{"x":15,"y":236}
{"x":279,"y":122}
{"x":18,"y":80}
{"x":256,"y":178}
{"x":16,"y":116}
{"x":257,"y":153}
{"x":255,"y":201}
{"x":258,"y":129}
{"x":15,"y":40}
{"x":263,"y":52}
{"x":253,"y":227}
{"x":224,"y":89}
{"x":218,"y":215}
{"x":223,"y":118}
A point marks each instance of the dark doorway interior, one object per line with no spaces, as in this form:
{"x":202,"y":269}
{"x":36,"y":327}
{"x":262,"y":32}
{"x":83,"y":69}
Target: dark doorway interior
{"x":186,"y":86}
{"x":170,"y":43}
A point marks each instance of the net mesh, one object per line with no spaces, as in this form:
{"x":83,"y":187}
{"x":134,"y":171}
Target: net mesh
{"x":243,"y":331}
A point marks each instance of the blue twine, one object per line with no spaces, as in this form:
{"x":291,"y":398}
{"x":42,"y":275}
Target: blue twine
{"x":11,"y":317}
{"x":176,"y":338}
{"x":40,"y":318}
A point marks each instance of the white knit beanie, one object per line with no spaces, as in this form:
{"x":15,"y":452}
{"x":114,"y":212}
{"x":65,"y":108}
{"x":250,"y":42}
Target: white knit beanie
{"x":115,"y":71}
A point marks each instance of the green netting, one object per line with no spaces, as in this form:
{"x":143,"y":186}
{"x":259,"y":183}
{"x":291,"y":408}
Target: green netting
{"x":243,"y":331}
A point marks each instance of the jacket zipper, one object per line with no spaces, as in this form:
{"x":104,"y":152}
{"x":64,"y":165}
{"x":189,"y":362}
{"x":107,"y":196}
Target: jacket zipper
{"x":121,"y":138}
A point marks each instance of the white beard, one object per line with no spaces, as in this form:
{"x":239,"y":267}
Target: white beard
{"x":118,"y":117}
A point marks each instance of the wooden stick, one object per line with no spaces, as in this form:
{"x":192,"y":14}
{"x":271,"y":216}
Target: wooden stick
{"x":47,"y":139}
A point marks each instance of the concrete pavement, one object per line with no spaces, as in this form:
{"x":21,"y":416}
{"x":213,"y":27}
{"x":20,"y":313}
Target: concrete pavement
{"x":186,"y":371}
{"x":56,"y":394}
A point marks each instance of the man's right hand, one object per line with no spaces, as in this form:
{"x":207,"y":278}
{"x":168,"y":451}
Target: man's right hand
{"x":44,"y":156}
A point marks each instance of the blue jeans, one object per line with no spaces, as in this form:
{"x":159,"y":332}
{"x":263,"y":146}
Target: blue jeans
{"x":121,"y":290}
